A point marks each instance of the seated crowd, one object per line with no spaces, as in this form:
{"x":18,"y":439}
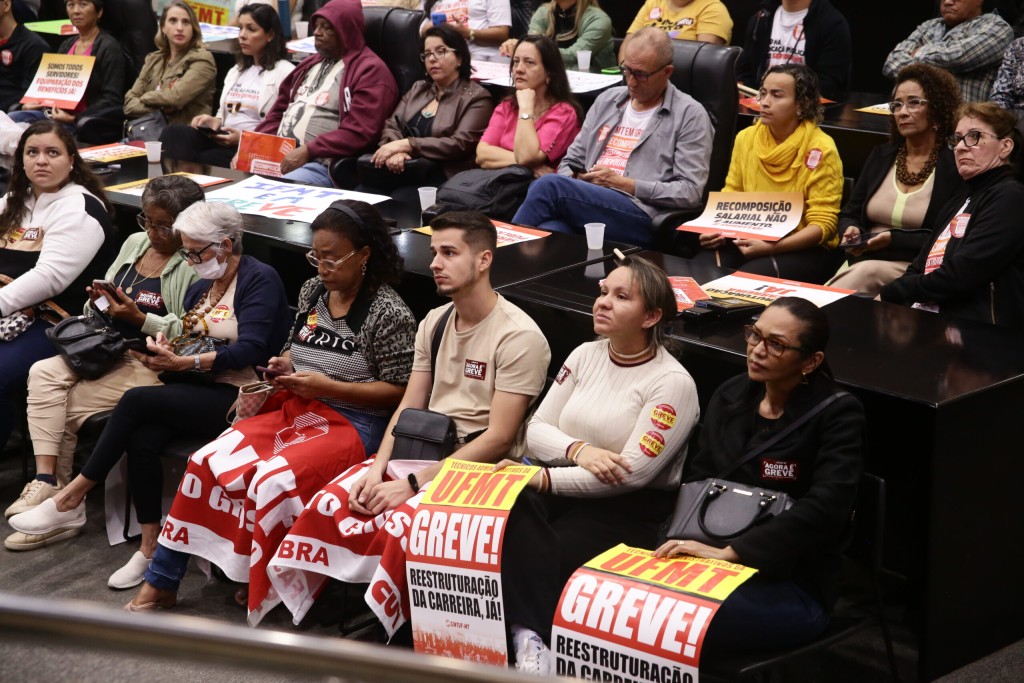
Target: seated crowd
{"x":932,"y":213}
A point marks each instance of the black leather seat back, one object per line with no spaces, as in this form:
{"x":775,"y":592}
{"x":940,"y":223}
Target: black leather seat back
{"x":394,"y":35}
{"x":707,"y":73}
{"x":133,"y":23}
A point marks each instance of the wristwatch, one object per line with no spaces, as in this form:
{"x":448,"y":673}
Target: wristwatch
{"x":414,"y":483}
{"x":526,"y":117}
{"x":472,"y":35}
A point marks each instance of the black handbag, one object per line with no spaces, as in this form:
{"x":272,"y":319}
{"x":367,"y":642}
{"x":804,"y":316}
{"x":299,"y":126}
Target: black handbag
{"x":146,"y":128}
{"x":717,"y":511}
{"x":418,"y":172}
{"x":89,"y":344}
{"x":192,"y":345}
{"x":495,"y":192}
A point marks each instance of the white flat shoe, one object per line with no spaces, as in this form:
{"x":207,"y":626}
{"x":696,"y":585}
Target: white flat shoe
{"x":130,"y":575}
{"x":44,"y":518}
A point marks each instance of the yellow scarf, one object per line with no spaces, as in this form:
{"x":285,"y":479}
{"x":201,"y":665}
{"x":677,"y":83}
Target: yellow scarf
{"x":782,"y":161}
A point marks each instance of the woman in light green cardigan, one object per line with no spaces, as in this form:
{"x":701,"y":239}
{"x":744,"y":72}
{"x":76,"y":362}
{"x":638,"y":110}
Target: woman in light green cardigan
{"x":149,"y":279}
{"x":574,"y":25}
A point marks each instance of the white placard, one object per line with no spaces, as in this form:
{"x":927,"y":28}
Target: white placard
{"x":271,"y":198}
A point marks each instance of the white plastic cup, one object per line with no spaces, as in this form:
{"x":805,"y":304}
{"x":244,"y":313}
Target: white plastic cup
{"x":595,"y":235}
{"x":301,"y":29}
{"x":428,"y":197}
{"x":153,"y":151}
{"x":583,"y":60}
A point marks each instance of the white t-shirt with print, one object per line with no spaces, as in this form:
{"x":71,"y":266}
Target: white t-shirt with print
{"x":788,"y":43}
{"x":242,"y":102}
{"x":479,"y":14}
{"x":624,"y":138}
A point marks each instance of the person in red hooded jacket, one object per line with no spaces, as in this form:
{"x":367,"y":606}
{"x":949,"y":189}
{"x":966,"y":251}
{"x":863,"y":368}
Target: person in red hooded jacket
{"x":335,"y":102}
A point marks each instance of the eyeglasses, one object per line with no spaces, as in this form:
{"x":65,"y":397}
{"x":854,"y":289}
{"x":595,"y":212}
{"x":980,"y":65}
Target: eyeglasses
{"x":328,"y":264}
{"x":640,"y":76}
{"x":438,"y":54}
{"x":912,"y":104}
{"x":195,"y":257}
{"x":774,"y":346}
{"x":970,"y":138}
{"x":144,"y":223}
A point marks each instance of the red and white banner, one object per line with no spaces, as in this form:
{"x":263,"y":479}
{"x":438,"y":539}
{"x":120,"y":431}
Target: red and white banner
{"x":242,"y":492}
{"x":454,"y":561}
{"x":60,"y":81}
{"x":627,"y":616}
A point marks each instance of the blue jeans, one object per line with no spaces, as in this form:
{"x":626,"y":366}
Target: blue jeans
{"x":313,"y":173}
{"x":564,"y":204}
{"x":16,"y":357}
{"x":763,"y":614}
{"x":166,"y":569}
{"x":369,"y":427}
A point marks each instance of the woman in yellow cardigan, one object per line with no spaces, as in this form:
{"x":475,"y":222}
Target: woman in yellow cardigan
{"x":786,"y":151}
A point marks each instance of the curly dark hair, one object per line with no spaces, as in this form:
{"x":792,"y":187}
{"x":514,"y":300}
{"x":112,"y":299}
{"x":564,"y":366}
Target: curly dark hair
{"x":19,"y":189}
{"x":943,"y":95}
{"x":805,"y":90}
{"x":384,"y":266}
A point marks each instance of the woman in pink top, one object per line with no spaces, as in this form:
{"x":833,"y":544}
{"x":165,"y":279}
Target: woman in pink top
{"x":536,"y":127}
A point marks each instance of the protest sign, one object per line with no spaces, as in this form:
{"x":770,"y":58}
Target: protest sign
{"x":274,"y":199}
{"x":217,"y":12}
{"x":60,"y":81}
{"x":112,"y":152}
{"x":762,"y":289}
{"x":767,"y":216}
{"x":687,"y":292}
{"x":262,"y":153}
{"x":626,"y":616}
{"x":454,"y":561}
{"x":136,"y":187}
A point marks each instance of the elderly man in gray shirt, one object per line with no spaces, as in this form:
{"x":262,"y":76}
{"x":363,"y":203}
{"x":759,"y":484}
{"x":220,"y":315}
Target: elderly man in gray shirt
{"x":643,"y":151}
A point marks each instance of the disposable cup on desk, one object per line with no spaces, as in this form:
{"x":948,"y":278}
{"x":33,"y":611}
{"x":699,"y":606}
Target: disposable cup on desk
{"x":583,"y":60}
{"x":153,"y":150}
{"x":428,"y":197}
{"x":301,"y":30}
{"x":595,"y":235}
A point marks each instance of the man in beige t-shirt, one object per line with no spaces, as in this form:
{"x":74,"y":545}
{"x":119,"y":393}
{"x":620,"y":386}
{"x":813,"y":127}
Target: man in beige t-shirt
{"x":489,"y":369}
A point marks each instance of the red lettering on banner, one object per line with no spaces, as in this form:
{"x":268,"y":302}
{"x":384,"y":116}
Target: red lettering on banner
{"x":720,"y":575}
{"x":680,"y":574}
{"x":456,"y":536}
{"x":385,"y":597}
{"x":303,"y":554}
{"x":483,"y":489}
{"x":621,"y":562}
{"x":284,"y":210}
{"x":180,"y":537}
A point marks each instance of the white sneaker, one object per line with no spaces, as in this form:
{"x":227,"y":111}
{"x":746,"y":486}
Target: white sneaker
{"x":130,"y":575}
{"x":532,"y":656}
{"x":45,"y":517}
{"x":20,"y":541}
{"x":34,"y":493}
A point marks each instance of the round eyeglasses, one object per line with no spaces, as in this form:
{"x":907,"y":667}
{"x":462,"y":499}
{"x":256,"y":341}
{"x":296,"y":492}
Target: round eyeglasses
{"x":970,"y":139}
{"x":328,"y":264}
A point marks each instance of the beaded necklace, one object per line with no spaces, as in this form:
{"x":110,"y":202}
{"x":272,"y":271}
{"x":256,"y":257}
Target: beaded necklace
{"x":195,"y":316}
{"x":912,"y":179}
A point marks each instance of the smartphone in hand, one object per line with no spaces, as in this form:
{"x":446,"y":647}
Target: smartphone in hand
{"x":857,"y":242}
{"x":271,"y":374}
{"x":211,"y":132}
{"x":576,"y":167}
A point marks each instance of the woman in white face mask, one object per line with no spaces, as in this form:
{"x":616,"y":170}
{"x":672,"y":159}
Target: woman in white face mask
{"x":237,"y":318}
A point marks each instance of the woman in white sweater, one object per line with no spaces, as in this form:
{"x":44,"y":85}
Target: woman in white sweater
{"x":249,"y":91}
{"x":54,"y":220}
{"x":612,"y":434}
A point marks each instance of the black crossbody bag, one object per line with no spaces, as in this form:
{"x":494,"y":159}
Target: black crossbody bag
{"x":717,"y":511}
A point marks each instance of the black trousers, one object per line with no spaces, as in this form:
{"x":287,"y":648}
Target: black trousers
{"x":185,"y":143}
{"x":815,"y":265}
{"x":147,"y":418}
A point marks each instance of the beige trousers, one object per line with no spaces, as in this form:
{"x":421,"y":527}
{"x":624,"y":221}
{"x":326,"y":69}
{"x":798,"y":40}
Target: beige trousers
{"x":869,"y":276}
{"x":59,"y":401}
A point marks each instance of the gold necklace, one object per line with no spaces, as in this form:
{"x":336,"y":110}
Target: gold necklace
{"x":139,"y":275}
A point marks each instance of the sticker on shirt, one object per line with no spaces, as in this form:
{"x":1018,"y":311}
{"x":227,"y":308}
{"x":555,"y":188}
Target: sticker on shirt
{"x":311,"y":320}
{"x":655,"y":13}
{"x":475,"y":369}
{"x":959,"y":225}
{"x":652,"y":444}
{"x":663,"y":416}
{"x":25,"y":235}
{"x":563,"y":374}
{"x":151,"y":300}
{"x":602,"y":133}
{"x":6,"y":57}
{"x":322,"y":98}
{"x":220,"y":314}
{"x":784,"y":470}
{"x":813,"y":159}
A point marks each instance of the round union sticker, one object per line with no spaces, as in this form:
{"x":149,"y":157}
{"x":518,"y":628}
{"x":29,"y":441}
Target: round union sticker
{"x":652,"y":444}
{"x":663,"y":416}
{"x":322,"y":98}
{"x":311,"y":319}
{"x":813,"y":159}
{"x":6,"y":57}
{"x":656,"y":13}
{"x":220,"y":314}
{"x":960,"y":224}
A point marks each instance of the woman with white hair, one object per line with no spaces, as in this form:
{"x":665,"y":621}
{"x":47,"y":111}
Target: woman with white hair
{"x":237,"y":318}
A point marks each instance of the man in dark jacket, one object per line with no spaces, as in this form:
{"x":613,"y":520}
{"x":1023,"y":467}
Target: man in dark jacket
{"x":20,"y":53}
{"x":810,"y":32}
{"x":335,"y":102}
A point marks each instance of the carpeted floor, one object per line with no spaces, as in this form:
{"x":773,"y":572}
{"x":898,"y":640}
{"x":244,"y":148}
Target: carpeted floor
{"x":78,"y":569}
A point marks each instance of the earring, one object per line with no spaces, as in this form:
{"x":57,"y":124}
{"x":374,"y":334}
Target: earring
{"x":362,"y":268}
{"x":803,"y":378}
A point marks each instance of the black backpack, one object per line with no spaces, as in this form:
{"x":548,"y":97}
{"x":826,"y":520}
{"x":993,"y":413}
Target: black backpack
{"x":496,"y":192}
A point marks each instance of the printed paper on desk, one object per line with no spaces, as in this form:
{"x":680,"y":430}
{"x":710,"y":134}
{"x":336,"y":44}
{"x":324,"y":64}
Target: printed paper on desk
{"x":507,"y":233}
{"x":767,"y":216}
{"x":112,"y":152}
{"x":275,"y":199}
{"x":625,"y":613}
{"x":304,"y":45}
{"x":60,"y":81}
{"x":687,"y":292}
{"x":762,"y":289}
{"x":497,"y":73}
{"x":262,"y":153}
{"x":136,"y":187}
{"x":56,"y":27}
{"x":454,"y":561}
{"x":212,"y":32}
{"x":882,"y":109}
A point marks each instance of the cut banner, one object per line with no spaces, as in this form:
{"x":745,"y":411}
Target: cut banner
{"x":60,"y":81}
{"x":629,"y":617}
{"x":454,"y":561}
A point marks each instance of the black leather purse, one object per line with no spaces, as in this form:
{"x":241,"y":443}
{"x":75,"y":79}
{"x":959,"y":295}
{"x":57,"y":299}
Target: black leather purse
{"x":717,"y":511}
{"x":89,"y":344}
